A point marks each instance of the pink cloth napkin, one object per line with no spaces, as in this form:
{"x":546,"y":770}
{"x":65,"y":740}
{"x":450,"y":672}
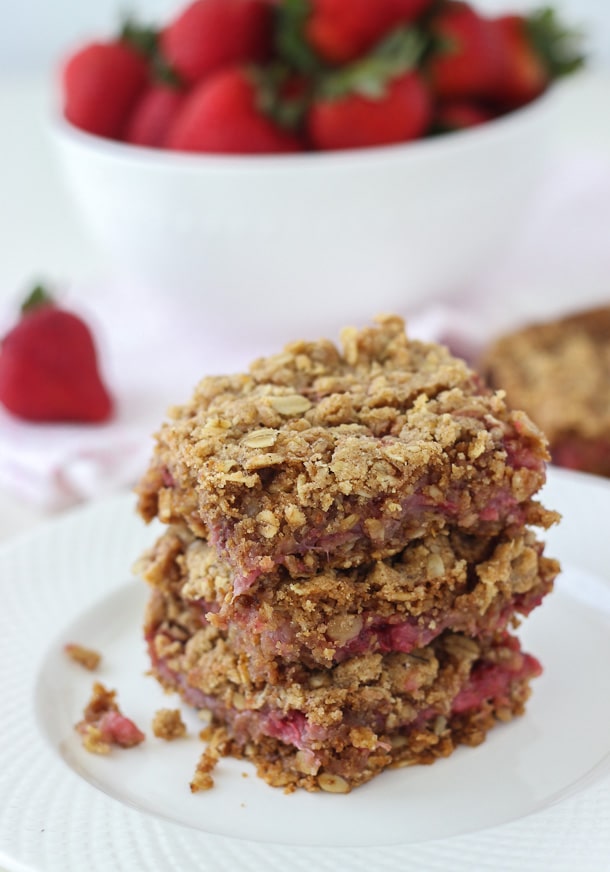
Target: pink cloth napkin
{"x":558,"y":261}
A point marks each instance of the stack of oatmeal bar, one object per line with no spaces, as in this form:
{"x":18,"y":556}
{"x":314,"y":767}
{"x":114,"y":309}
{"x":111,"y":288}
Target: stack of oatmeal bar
{"x":349,"y":544}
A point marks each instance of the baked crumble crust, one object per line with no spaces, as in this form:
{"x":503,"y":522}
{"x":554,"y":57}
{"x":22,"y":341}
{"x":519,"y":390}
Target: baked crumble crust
{"x":320,"y":456}
{"x":559,"y":373}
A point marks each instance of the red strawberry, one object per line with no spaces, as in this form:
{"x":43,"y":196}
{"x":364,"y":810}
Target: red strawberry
{"x":48,"y":367}
{"x":464,"y":59}
{"x":224,"y":115}
{"x":153,"y":115}
{"x":342,"y":30}
{"x":460,"y":114}
{"x":523,"y":74}
{"x":377,"y":101}
{"x":101,"y":84}
{"x":532,"y":51}
{"x":355,"y":121}
{"x":211,"y":34}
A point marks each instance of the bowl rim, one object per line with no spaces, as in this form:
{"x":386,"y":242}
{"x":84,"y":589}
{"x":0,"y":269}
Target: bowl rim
{"x":420,"y":149}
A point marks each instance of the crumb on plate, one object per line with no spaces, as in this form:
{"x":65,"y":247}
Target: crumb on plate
{"x":86,"y":657}
{"x":104,"y":725}
{"x":168,"y":724}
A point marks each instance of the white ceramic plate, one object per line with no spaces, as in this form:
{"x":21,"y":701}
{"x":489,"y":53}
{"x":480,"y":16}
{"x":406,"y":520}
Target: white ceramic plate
{"x":63,"y":809}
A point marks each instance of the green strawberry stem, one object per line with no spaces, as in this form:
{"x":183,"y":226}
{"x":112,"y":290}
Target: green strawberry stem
{"x":145,"y":40}
{"x":39,"y":296}
{"x":559,"y":47}
{"x":288,"y":111}
{"x":290,"y":41}
{"x":392,"y":57}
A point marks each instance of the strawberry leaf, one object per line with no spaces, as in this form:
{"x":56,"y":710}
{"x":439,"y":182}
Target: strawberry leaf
{"x":38,"y":296}
{"x":392,"y":57}
{"x":165,"y":74}
{"x":273,"y":98}
{"x":143,"y":38}
{"x":560,"y":48}
{"x":290,"y":40}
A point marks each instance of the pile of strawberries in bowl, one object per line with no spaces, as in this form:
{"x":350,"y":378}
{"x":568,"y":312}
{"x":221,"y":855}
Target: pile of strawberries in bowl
{"x":284,"y":76}
{"x":271,"y":168}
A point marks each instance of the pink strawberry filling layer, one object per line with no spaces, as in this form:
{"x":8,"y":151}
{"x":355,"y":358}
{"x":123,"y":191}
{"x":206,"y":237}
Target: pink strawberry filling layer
{"x":492,"y":681}
{"x":378,"y":634}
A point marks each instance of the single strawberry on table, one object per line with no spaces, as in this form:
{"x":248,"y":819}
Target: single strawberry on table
{"x":232,"y":112}
{"x":48,"y":366}
{"x":380,"y":100}
{"x":211,"y":34}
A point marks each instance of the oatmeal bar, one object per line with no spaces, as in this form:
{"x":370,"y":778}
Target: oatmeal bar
{"x":323,"y":457}
{"x":336,"y":728}
{"x":445,"y":581}
{"x":559,"y":373}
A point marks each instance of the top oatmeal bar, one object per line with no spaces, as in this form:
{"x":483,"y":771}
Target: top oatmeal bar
{"x":325,"y":457}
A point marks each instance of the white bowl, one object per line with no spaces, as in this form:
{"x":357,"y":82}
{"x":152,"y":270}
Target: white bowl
{"x":278,"y":244}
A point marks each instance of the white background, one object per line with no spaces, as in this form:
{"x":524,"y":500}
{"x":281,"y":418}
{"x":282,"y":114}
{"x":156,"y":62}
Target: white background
{"x":36,"y":32}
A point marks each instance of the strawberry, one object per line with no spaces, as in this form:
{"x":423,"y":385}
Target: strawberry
{"x":153,"y":115}
{"x":101,"y":84}
{"x":533,"y":51}
{"x":355,"y":121}
{"x":463,"y":62}
{"x":379,"y":101}
{"x":338,"y":31}
{"x":211,"y":34}
{"x":48,"y":366}
{"x":229,"y":114}
{"x":460,"y":114}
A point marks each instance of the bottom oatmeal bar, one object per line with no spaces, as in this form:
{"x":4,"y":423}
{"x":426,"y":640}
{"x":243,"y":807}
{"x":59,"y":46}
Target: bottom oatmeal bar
{"x":334,"y":729}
